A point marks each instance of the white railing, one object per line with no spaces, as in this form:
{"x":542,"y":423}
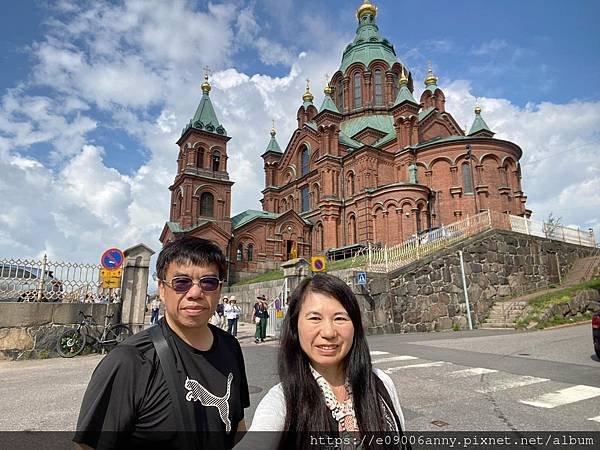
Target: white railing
{"x":394,"y":257}
{"x":551,"y":231}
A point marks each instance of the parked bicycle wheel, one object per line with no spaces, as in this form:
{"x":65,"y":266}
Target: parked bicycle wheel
{"x":70,"y":343}
{"x":117,"y":334}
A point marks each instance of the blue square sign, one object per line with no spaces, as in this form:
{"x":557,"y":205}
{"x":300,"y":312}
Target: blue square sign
{"x":361,"y":278}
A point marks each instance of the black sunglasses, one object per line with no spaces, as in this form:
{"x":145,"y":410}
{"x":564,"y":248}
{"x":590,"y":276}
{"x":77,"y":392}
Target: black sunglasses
{"x":183,"y":284}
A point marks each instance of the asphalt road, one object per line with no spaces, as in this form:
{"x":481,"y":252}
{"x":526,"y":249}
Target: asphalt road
{"x":479,"y":380}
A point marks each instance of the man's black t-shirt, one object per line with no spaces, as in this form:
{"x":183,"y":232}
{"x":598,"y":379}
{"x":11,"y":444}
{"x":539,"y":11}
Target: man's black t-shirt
{"x":127,"y":402}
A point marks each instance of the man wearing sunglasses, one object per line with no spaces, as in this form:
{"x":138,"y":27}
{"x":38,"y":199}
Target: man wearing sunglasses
{"x":189,"y":394}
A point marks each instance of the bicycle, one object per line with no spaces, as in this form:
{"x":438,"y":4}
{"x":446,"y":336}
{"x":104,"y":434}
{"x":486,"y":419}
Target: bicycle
{"x":72,"y":342}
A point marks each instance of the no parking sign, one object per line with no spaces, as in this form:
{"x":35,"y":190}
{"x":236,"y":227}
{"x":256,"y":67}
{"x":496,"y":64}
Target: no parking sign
{"x":112,"y":258}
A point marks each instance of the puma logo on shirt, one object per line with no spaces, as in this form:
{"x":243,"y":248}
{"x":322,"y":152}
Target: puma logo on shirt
{"x":197,"y":392}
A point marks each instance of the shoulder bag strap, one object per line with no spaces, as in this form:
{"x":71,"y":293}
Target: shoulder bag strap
{"x":186,"y":425}
{"x":387,"y":400}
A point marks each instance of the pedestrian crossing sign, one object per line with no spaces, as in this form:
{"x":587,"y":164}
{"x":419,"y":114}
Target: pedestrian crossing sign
{"x":317,"y":264}
{"x":361,"y":278}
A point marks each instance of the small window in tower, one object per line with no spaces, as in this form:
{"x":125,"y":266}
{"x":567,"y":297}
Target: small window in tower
{"x":216,"y":159}
{"x":250,"y":252}
{"x":357,"y":91}
{"x":305,"y":199}
{"x":200,"y":158}
{"x":467,"y":179}
{"x":207,"y":201}
{"x":351,"y":184}
{"x":394,"y":86}
{"x":240,"y":253}
{"x":378,"y":88}
{"x":305,"y":160}
{"x":340,"y":95}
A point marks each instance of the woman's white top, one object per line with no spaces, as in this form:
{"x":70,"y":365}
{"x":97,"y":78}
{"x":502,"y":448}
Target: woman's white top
{"x":270,"y":412}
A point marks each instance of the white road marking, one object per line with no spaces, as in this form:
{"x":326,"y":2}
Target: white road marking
{"x":416,"y":366}
{"x":470,"y":372}
{"x":377,"y":352}
{"x":595,"y":419}
{"x":511,"y":383}
{"x":394,"y":358}
{"x":564,"y":396}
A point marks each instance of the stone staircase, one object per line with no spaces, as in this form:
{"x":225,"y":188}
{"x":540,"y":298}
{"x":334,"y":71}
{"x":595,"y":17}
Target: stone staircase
{"x":503,"y":315}
{"x":583,"y":270}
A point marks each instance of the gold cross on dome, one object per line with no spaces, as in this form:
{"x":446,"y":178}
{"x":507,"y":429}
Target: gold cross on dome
{"x":207,"y":72}
{"x":307,"y":84}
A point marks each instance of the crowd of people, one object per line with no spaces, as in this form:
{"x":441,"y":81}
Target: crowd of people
{"x":182,"y":383}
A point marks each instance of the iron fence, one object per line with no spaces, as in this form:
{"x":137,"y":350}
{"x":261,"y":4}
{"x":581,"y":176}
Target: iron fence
{"x":24,"y":280}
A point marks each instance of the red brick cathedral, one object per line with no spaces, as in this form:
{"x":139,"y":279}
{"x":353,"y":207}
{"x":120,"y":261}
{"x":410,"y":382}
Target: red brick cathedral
{"x":371,"y":164}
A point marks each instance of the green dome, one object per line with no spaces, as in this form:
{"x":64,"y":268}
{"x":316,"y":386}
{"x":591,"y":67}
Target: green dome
{"x":368,"y":45}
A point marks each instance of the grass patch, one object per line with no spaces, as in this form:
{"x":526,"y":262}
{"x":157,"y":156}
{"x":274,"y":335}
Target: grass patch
{"x":456,"y":327}
{"x":267,"y":276}
{"x":332,"y":266}
{"x":538,"y":305}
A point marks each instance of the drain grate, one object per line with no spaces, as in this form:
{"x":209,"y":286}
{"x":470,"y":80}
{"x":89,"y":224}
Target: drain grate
{"x":439,"y":423}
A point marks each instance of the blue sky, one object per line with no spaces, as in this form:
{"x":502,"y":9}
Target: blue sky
{"x":93,"y":96}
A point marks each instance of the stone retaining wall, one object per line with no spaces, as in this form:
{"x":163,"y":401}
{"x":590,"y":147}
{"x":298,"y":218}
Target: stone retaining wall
{"x":35,"y":327}
{"x":428,"y":294}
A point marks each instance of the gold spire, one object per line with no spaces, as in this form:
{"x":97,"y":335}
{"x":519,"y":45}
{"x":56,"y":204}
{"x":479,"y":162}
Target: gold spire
{"x":206,"y":85}
{"x":477,"y":107}
{"x":366,"y":6}
{"x":308,"y":97}
{"x":273,"y":131}
{"x":403,"y":79}
{"x":328,"y":90}
{"x":431,"y":78}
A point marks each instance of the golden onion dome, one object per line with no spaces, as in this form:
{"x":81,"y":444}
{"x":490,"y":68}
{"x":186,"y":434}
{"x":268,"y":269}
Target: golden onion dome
{"x":206,"y":85}
{"x":328,"y":89}
{"x":403,"y":78}
{"x":431,"y":78}
{"x":308,"y":97}
{"x":367,"y":6}
{"x":477,"y":108}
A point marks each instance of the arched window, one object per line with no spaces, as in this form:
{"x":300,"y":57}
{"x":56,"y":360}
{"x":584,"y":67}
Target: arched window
{"x":207,"y":201}
{"x":305,"y":157}
{"x":284,"y":205}
{"x":340,"y":95}
{"x":352,"y":230}
{"x":357,"y":91}
{"x":250,"y":252}
{"x":351,"y":184}
{"x":200,"y":158}
{"x":394,"y":86}
{"x":239,"y":253}
{"x":505,"y":175}
{"x":305,"y":199}
{"x":216,"y":159}
{"x":316,"y":196}
{"x":378,"y":88}
{"x":320,"y":241}
{"x":178,"y":205}
{"x":467,"y":179}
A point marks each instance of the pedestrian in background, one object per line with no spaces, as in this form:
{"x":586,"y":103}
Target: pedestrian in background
{"x":155,"y":309}
{"x":232,"y":312}
{"x":260,"y":317}
{"x":223,"y":319}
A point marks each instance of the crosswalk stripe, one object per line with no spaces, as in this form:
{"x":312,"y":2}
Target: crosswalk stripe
{"x":470,"y":372}
{"x":378,"y":352}
{"x":595,"y":419}
{"x":416,"y":366}
{"x":513,"y":382}
{"x":563,"y":396}
{"x":394,"y":358}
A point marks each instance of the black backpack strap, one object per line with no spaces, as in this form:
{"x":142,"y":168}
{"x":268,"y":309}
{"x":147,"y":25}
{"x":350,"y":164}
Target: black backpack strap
{"x":186,"y":424}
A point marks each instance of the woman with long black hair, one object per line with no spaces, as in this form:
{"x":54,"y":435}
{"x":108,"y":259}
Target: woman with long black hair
{"x":328,"y":384}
